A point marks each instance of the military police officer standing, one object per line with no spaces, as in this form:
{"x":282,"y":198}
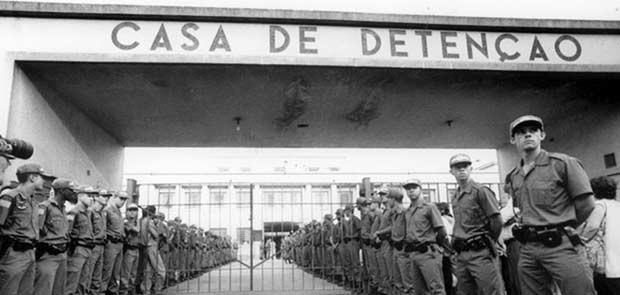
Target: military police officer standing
{"x":115,"y":236}
{"x":130,"y":255}
{"x":425,"y":231}
{"x":554,"y":195}
{"x":19,"y":232}
{"x":91,"y":276}
{"x":81,"y":245}
{"x":477,"y":225}
{"x":54,"y":238}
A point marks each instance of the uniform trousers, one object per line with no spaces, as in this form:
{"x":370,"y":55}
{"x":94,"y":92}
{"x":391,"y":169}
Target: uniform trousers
{"x":426,"y":272}
{"x":17,"y":270}
{"x":50,"y":274}
{"x":478,"y":272}
{"x":153,"y":268}
{"x":566,"y":265}
{"x":402,"y":267}
{"x":128,"y":271}
{"x":370,"y":262}
{"x":353,"y":260}
{"x":384,"y":255}
{"x":112,"y":256}
{"x":76,"y":263}
{"x":90,"y":278}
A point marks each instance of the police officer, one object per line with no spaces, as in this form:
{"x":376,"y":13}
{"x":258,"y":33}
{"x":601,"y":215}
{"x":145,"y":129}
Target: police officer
{"x":352,"y":231}
{"x":130,"y":251}
{"x":381,"y":276}
{"x":327,"y":249}
{"x":90,"y":278}
{"x":425,"y":231}
{"x":337,"y":239}
{"x":19,"y":231}
{"x":383,"y":235}
{"x":366,"y":219}
{"x":477,"y":225}
{"x":370,"y":224}
{"x":51,"y":250}
{"x":153,"y":264}
{"x":400,"y":270}
{"x":115,"y":237}
{"x":554,"y":195}
{"x":164,"y":247}
{"x":82,"y":241}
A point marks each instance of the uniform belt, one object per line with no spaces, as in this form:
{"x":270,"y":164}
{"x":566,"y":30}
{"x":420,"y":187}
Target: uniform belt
{"x":99,"y":242}
{"x":115,"y":239}
{"x":550,"y":236}
{"x":131,"y":247}
{"x":384,"y":236}
{"x":16,"y":243}
{"x":53,"y":249}
{"x":475,"y":243}
{"x":398,"y":245}
{"x":417,"y":247}
{"x":86,"y":244}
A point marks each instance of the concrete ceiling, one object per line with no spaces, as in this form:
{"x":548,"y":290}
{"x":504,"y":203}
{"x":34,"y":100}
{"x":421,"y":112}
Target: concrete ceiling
{"x":184,"y":105}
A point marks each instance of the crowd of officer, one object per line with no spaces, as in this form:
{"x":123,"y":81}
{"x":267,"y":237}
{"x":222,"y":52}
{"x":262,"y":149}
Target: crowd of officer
{"x":396,"y":249}
{"x":93,"y":248}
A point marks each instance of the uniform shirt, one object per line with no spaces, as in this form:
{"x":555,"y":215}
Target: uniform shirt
{"x":472,"y":207}
{"x":22,"y":218}
{"x":546,"y":193}
{"x":162,"y":229}
{"x":317,"y":239}
{"x":132,"y":232}
{"x":352,"y":227}
{"x":366,"y":224}
{"x":99,"y":225}
{"x":398,"y":225}
{"x":148,"y":232}
{"x":385,"y":221}
{"x":376,"y":223}
{"x":114,"y":222}
{"x":328,"y":228}
{"x":422,"y":220}
{"x":54,"y":225}
{"x":80,"y":224}
{"x":337,"y":232}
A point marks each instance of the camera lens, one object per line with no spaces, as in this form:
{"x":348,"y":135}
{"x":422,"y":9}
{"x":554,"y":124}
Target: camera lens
{"x":21,"y":149}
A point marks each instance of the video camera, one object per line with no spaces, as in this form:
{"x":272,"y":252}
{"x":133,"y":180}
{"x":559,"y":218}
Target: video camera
{"x":17,"y":148}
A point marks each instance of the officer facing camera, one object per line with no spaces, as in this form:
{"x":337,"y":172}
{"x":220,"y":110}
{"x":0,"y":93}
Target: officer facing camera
{"x":553,"y":193}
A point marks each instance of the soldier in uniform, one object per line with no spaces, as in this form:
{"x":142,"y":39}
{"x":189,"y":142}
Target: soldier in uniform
{"x":365,"y":224}
{"x":425,"y":232}
{"x":153,"y":264}
{"x":352,"y":230}
{"x":373,"y":244}
{"x":400,"y":270}
{"x":174,"y":249}
{"x":90,"y":278}
{"x":384,"y":235}
{"x":113,"y":250}
{"x":477,"y":225}
{"x":554,"y":195}
{"x":51,"y":265}
{"x":327,"y":250}
{"x":164,"y":247}
{"x":82,"y":241}
{"x":130,"y":251}
{"x":19,"y":231}
{"x":382,"y":276}
{"x":183,"y":245}
{"x":337,"y":239}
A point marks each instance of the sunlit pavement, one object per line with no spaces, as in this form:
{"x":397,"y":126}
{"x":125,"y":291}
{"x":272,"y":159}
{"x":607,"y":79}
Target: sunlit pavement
{"x":272,"y":277}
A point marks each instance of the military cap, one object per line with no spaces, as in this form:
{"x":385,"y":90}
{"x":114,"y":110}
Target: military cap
{"x":459,"y":158}
{"x":531,"y":119}
{"x":31,"y":168}
{"x":339,"y":211}
{"x":177,"y":219}
{"x":328,"y":217}
{"x":348,"y":207}
{"x":123,"y":195}
{"x":151,"y":209}
{"x":60,"y":183}
{"x":193,"y":226}
{"x":375,"y":199}
{"x":87,"y":190}
{"x":361,"y":201}
{"x":183,"y":225}
{"x":394,"y":193}
{"x":102,"y":200}
{"x":105,"y":193}
{"x":132,"y":206}
{"x":412,"y":182}
{"x":161,"y":215}
{"x":383,"y":190}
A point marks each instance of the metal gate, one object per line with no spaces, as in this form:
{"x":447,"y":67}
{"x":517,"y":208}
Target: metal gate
{"x":234,"y":238}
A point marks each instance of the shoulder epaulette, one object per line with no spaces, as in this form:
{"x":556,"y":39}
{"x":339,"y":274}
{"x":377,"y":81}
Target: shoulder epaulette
{"x":559,"y":156}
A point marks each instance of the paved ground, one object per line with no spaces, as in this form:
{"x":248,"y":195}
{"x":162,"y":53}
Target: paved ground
{"x":271,"y":277}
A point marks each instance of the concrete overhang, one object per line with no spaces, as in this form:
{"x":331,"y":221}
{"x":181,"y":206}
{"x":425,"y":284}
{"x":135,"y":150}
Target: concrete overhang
{"x":287,"y":16}
{"x":165,"y":105}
